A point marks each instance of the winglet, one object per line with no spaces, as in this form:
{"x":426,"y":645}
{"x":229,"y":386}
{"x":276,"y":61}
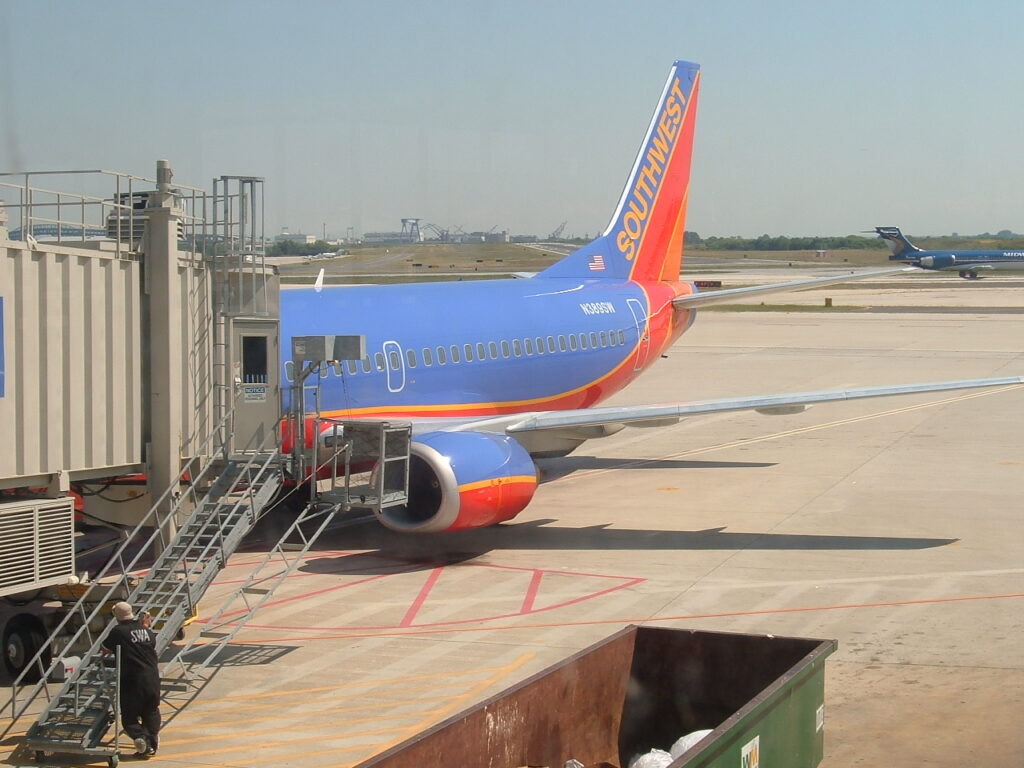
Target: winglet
{"x":319,"y":284}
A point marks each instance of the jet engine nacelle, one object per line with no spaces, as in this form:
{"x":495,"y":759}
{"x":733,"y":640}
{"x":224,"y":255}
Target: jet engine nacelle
{"x":944,"y":261}
{"x":461,"y":480}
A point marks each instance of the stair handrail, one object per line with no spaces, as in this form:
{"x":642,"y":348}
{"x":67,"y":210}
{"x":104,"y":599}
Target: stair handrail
{"x":196,"y":469}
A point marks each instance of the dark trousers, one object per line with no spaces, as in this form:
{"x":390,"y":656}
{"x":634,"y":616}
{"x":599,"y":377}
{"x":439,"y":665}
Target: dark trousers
{"x":140,"y":713}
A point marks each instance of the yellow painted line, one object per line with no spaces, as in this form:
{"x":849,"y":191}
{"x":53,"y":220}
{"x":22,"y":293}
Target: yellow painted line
{"x":343,"y":686}
{"x":787,"y":433}
{"x":302,"y":714}
{"x":427,"y":718}
{"x":277,"y":704}
{"x":456,"y":703}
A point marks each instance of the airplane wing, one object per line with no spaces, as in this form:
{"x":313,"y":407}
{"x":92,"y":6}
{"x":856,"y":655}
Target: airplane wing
{"x":706,"y":298}
{"x":586,"y":423}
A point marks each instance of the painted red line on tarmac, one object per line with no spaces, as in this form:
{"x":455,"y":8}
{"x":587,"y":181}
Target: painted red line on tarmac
{"x":531,"y":592}
{"x":382,"y":630}
{"x":427,"y":630}
{"x":421,"y":598}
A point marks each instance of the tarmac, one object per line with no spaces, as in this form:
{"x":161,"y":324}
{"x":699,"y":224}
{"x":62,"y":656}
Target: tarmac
{"x":892,"y":525}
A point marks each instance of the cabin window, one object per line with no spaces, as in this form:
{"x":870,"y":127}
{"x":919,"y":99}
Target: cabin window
{"x":395,"y":359}
{"x":351,"y":365}
{"x":622,"y":337}
{"x":366,"y":364}
{"x":379,"y":359}
{"x":493,"y":349}
{"x":562,"y":346}
{"x":583,"y":341}
{"x":289,"y":370}
{"x":505,"y":351}
{"x":551,"y":344}
{"x":468,"y":350}
{"x":529,"y":346}
{"x":517,"y":347}
{"x":455,"y":356}
{"x":604,"y":339}
{"x":336,"y":365}
{"x":428,"y":357}
{"x":481,"y":351}
{"x":572,"y":342}
{"x":442,"y":356}
{"x":323,"y":369}
{"x":410,"y":357}
{"x":593,"y":340}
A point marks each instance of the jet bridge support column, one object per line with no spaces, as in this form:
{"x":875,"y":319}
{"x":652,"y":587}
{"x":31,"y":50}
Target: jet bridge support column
{"x":164,"y":352}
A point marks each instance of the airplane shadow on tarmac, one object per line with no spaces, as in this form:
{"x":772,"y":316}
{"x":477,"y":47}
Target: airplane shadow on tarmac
{"x":556,"y":469}
{"x":377,"y":550}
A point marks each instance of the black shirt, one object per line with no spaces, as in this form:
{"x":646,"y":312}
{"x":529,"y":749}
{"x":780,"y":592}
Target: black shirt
{"x":138,"y":652}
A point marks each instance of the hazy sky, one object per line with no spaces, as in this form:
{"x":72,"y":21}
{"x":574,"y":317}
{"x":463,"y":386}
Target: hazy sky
{"x":816,"y":117}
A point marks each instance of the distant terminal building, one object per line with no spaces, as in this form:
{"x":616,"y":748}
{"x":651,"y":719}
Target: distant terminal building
{"x":295,"y":237}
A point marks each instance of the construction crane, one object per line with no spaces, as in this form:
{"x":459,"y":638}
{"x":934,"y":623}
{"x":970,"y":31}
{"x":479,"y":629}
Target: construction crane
{"x":558,"y":231}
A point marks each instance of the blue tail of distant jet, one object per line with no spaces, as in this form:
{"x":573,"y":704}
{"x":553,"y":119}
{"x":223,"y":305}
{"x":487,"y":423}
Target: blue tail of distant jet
{"x":900,"y":248}
{"x":644,"y":239}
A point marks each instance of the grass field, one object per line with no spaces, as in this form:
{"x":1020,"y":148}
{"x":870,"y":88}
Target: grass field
{"x":443,"y":261}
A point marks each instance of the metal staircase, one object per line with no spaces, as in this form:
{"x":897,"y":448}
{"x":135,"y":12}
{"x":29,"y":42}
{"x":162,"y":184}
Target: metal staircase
{"x":78,"y":716}
{"x":265,"y":578}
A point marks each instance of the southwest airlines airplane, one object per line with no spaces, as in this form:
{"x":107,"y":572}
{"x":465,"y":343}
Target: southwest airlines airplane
{"x":967,"y":263}
{"x":495,"y":373}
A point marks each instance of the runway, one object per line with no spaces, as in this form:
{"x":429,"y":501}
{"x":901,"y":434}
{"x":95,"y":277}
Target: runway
{"x":892,"y":525}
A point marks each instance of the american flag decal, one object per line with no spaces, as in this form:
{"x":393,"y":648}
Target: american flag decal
{"x":597,"y":263}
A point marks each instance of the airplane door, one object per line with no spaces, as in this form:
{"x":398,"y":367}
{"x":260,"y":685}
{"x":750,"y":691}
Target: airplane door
{"x":394,"y":364}
{"x":254,"y":355}
{"x":643,"y":331}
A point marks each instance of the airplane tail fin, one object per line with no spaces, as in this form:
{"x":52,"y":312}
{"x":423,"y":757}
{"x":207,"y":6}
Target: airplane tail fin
{"x":644,"y":240}
{"x":900,"y":249}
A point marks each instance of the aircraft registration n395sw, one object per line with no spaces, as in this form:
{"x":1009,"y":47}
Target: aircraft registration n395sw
{"x":493,"y":374}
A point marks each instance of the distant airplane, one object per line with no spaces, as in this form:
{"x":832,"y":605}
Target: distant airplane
{"x":495,"y":373}
{"x":967,"y":263}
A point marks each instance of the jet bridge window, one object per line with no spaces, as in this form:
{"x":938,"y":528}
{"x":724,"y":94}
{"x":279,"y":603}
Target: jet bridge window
{"x":254,"y":360}
{"x":289,"y":370}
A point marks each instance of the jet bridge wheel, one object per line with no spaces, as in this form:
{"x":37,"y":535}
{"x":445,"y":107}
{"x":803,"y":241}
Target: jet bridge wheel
{"x":112,"y":761}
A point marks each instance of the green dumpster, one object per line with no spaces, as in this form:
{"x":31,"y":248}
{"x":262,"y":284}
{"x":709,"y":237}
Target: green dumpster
{"x":762,"y":697}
